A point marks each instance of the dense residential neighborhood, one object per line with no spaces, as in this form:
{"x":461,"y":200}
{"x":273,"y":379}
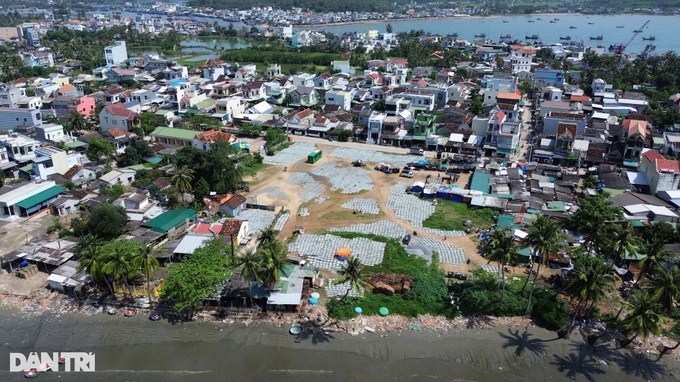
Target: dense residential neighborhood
{"x":373,"y":184}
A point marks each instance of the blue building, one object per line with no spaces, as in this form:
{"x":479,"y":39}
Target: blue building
{"x":549,"y":77}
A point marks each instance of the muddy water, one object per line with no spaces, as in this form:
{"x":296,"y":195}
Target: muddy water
{"x":137,"y":349}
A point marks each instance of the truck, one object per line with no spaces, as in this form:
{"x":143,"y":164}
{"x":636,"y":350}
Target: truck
{"x":416,"y":151}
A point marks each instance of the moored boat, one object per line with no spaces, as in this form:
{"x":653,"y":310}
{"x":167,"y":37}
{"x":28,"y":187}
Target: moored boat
{"x":155,"y":316}
{"x":600,"y":37}
{"x":532,"y":37}
{"x":130,"y":312}
{"x":295,"y":330}
{"x":650,"y":38}
{"x":565,"y":38}
{"x":481,"y":35}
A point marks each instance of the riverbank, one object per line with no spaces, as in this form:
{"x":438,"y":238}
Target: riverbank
{"x":139,"y":349}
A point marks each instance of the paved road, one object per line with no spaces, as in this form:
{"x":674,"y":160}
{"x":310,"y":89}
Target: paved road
{"x":526,"y":130}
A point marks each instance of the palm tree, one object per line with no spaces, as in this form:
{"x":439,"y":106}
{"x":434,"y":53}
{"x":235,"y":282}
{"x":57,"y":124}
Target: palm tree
{"x":621,"y":241}
{"x":595,"y":281}
{"x":90,"y":259}
{"x":352,"y":272}
{"x":77,"y":121}
{"x":267,"y":235}
{"x":274,"y":257}
{"x":643,"y":318}
{"x":544,"y":238}
{"x":117,"y":259}
{"x":182,"y":178}
{"x":147,"y":263}
{"x":502,"y":248}
{"x":251,"y":269}
{"x":665,"y":289}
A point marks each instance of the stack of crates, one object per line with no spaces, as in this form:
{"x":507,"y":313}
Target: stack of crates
{"x":27,"y":271}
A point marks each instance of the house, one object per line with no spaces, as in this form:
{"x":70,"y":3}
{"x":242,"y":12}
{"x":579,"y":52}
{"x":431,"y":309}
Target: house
{"x":10,"y":96}
{"x":116,"y":54}
{"x":64,"y":106}
{"x":79,"y":175}
{"x":204,"y":141}
{"x":20,"y":148}
{"x":521,"y":58}
{"x":68,"y":90}
{"x":121,"y":176}
{"x":287,"y":293}
{"x":662,"y":174}
{"x":322,"y":81}
{"x":172,"y":223}
{"x":236,"y":231}
{"x":37,"y":59}
{"x":12,"y":118}
{"x":50,"y":132}
{"x":343,"y":99}
{"x":549,"y":77}
{"x":232,"y":204}
{"x":635,"y":133}
{"x":564,"y":139}
{"x":65,"y":205}
{"x":173,"y":136}
{"x":254,"y":91}
{"x":303,"y":96}
{"x":67,"y":279}
{"x":117,"y":74}
{"x":117,"y":115}
{"x":27,"y":199}
{"x":273,"y":70}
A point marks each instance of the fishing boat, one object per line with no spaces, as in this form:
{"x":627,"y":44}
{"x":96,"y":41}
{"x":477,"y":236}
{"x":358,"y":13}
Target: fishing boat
{"x":552,"y":21}
{"x":565,"y":38}
{"x":600,"y":37}
{"x":505,"y":21}
{"x":591,"y":23}
{"x":112,"y":311}
{"x":505,"y":37}
{"x":155,"y":316}
{"x":650,"y":38}
{"x":572,"y":27}
{"x":531,"y":21}
{"x":619,"y":26}
{"x":538,"y":18}
{"x":638,"y":31}
{"x":532,"y":37}
{"x":31,"y":373}
{"x":295,"y":330}
{"x":483,"y":35}
{"x":130,"y":312}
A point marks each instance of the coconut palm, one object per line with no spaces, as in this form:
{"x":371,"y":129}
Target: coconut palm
{"x":251,"y":269}
{"x":117,"y":259}
{"x":90,"y":259}
{"x":502,"y":248}
{"x":182,"y":178}
{"x":594,"y":281}
{"x":267,"y":235}
{"x":665,"y":289}
{"x":147,"y":263}
{"x":352,"y":272}
{"x":77,"y":121}
{"x":643,"y":318}
{"x":274,"y":257}
{"x":544,"y":238}
{"x":621,"y":241}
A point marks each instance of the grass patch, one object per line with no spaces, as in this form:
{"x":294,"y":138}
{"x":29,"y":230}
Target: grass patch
{"x":451,"y":216}
{"x":428,"y":294}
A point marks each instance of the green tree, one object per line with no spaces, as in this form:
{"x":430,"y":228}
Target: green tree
{"x":89,"y":257}
{"x":201,"y":189}
{"x":250,"y":130}
{"x":621,"y":241}
{"x":591,"y":216}
{"x":389,"y":28}
{"x":274,"y":256}
{"x":352,"y":272}
{"x":544,"y":238}
{"x":501,"y":248}
{"x":592,"y":281}
{"x":107,"y":221}
{"x":266,"y":236}
{"x":99,"y":148}
{"x":378,"y":105}
{"x":275,"y":137}
{"x":77,"y":121}
{"x":476,"y":105}
{"x":197,"y":277}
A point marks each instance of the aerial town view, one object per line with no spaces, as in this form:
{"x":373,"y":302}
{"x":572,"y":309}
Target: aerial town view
{"x":348,"y":191}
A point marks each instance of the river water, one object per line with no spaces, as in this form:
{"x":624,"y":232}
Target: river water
{"x":136,"y":349}
{"x":661,"y":27}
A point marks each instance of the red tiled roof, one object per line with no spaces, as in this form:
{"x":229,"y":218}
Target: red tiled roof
{"x":116,"y":132}
{"x":235,"y":201}
{"x":205,"y":228}
{"x":635,"y":127}
{"x":72,"y":171}
{"x":513,"y":96}
{"x":162,"y":183}
{"x":214,"y":136}
{"x":231,"y":227}
{"x":118,"y":110}
{"x":667,"y":165}
{"x":67,"y":88}
{"x":652,"y":155}
{"x":577,"y":98}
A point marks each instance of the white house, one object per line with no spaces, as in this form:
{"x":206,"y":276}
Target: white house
{"x":116,"y":54}
{"x":118,"y":116}
{"x":121,"y":176}
{"x":339,"y":98}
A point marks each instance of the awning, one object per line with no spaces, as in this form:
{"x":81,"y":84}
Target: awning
{"x":41,"y":197}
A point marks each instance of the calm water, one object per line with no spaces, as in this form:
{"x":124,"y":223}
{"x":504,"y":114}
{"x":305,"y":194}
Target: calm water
{"x":199,"y":45}
{"x":136,"y":349}
{"x":661,"y":27}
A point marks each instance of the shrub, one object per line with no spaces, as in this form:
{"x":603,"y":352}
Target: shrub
{"x":549,"y":310}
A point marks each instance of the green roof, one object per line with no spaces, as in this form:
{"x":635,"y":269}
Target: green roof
{"x":206,"y":103}
{"x":637,"y":223}
{"x":480,"y":182}
{"x":171,"y":132}
{"x":75,"y":144}
{"x":170,"y":219}
{"x":41,"y":197}
{"x":136,"y":167}
{"x":556,"y":206}
{"x":154,"y":160}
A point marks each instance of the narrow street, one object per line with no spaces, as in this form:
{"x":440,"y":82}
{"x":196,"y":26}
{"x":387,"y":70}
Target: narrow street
{"x":526,"y":130}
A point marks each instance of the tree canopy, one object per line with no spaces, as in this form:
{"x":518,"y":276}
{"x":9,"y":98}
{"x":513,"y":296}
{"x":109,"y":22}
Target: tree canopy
{"x":107,"y":221}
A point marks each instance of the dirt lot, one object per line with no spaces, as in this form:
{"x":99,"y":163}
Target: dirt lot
{"x":328,"y":214}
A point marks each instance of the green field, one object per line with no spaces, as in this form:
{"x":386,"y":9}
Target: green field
{"x":451,"y":216}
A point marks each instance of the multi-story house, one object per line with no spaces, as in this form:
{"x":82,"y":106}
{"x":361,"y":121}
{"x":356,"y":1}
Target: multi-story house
{"x":10,"y":96}
{"x":635,"y":133}
{"x":340,"y":98}
{"x":303,"y":96}
{"x":12,"y":118}
{"x":549,"y":77}
{"x":552,"y":119}
{"x":38,"y":59}
{"x":20,"y":148}
{"x":116,"y":54}
{"x":397,"y":104}
{"x":231,"y":107}
{"x":254,"y":91}
{"x":424,"y":126}
{"x":421,"y":100}
{"x":662,"y":174}
{"x":302,"y":79}
{"x":375,"y":127}
{"x":521,"y":58}
{"x":50,"y":160}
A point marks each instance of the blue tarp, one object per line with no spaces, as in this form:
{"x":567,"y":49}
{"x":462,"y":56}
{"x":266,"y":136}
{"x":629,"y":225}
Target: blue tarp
{"x":424,"y":162}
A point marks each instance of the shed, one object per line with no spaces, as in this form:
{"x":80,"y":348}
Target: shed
{"x":418,"y":187}
{"x":480,"y":182}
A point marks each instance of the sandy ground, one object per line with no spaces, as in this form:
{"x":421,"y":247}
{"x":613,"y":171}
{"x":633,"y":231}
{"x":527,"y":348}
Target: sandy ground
{"x":330,"y":214}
